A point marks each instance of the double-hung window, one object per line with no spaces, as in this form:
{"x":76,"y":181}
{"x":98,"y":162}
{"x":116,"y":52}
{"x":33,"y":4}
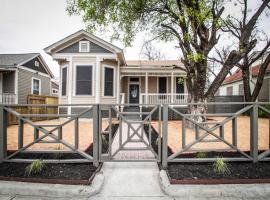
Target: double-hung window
{"x":108,"y":81}
{"x":84,"y":80}
{"x":35,"y":86}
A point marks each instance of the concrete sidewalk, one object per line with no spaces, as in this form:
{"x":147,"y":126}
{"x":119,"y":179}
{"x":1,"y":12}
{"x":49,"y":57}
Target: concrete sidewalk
{"x":133,"y":180}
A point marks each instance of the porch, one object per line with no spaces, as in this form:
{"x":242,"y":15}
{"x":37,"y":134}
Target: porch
{"x":153,"y":82}
{"x":153,"y":89}
{"x":7,"y":87}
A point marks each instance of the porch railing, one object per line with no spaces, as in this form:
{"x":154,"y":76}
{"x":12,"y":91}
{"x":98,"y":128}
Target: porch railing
{"x":8,"y":98}
{"x":158,"y":98}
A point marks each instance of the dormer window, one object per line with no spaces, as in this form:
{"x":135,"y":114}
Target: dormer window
{"x":36,"y":63}
{"x":84,"y":46}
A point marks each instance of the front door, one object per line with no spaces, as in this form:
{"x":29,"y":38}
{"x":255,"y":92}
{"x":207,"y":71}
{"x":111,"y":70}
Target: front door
{"x":134,"y":93}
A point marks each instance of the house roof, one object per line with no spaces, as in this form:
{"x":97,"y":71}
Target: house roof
{"x":84,"y":34}
{"x":238,"y":74}
{"x":13,"y":60}
{"x":155,"y":63}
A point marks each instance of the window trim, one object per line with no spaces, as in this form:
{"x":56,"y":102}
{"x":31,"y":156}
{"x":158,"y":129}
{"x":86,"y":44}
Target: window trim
{"x":61,"y":81}
{"x":75,"y":81}
{"x":88,"y":46}
{"x":32,"y":85}
{"x":103,"y":81}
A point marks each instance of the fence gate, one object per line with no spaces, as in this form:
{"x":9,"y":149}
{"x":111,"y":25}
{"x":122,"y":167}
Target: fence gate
{"x":129,"y":134}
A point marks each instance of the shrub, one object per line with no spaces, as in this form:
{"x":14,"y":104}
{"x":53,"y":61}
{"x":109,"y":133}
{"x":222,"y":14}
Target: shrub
{"x":262,"y":113}
{"x":221,"y":167}
{"x":157,"y":141}
{"x":104,"y":139}
{"x":35,"y":167}
{"x":201,"y":155}
{"x":58,"y":155}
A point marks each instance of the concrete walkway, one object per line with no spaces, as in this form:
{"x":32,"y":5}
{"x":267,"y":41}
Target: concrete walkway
{"x":125,"y":137}
{"x":136,"y":180}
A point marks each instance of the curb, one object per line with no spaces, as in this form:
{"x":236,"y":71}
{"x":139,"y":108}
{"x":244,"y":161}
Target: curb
{"x":214,"y":191}
{"x":52,"y":190}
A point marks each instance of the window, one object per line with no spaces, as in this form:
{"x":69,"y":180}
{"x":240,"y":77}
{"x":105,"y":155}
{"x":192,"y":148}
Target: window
{"x":179,"y":89}
{"x":54,"y":91}
{"x":36,"y":63}
{"x":84,"y":80}
{"x":241,"y":89}
{"x":35,"y":86}
{"x":64,"y":81}
{"x":84,"y":46}
{"x":229,"y":90}
{"x":108,"y":81}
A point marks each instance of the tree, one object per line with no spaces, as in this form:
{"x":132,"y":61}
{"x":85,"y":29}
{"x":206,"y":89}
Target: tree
{"x":150,"y":52}
{"x":194,"y":24}
{"x":237,"y":27}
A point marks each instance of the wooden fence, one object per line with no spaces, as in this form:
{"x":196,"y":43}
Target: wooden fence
{"x":35,"y":99}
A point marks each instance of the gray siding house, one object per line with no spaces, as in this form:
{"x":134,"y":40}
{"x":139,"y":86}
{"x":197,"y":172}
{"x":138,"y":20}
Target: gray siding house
{"x":95,"y":71}
{"x":23,"y":74}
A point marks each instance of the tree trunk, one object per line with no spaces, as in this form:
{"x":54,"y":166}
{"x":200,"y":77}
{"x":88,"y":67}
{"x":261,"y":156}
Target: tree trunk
{"x":196,"y":99}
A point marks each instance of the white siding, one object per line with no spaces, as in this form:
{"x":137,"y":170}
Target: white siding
{"x":71,"y":76}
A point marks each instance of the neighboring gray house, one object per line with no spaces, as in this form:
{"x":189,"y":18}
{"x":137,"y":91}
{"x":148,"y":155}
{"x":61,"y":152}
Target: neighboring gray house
{"x":23,"y":74}
{"x":54,"y":87}
{"x":95,"y":71}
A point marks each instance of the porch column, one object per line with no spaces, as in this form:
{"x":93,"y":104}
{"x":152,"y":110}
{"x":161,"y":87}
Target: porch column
{"x":172,"y":80}
{"x":118,"y":83}
{"x":70,"y":85}
{"x":97,"y":68}
{"x":146,"y":88}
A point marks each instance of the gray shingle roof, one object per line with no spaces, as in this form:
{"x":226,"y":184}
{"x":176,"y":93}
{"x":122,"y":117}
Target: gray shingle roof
{"x":11,"y":60}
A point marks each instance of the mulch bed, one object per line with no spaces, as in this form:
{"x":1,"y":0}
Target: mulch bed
{"x":57,"y":173}
{"x":203,"y":172}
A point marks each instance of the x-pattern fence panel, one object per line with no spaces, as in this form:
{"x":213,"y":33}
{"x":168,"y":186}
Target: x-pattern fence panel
{"x":43,"y":134}
{"x":215,"y":129}
{"x":130,"y":136}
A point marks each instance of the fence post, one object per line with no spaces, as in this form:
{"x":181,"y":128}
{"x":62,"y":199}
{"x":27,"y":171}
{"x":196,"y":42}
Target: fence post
{"x":165,"y":137}
{"x":3,"y":133}
{"x":95,"y":134}
{"x":254,"y":132}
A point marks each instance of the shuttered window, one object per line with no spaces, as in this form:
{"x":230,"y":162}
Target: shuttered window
{"x":84,"y":80}
{"x":64,"y":81}
{"x":108,"y":81}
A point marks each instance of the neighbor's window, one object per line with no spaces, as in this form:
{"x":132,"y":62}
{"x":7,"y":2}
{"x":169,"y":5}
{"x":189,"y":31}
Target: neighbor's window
{"x":54,"y":91}
{"x":64,"y":82}
{"x":108,"y":81}
{"x":84,"y":80}
{"x":35,"y":86}
{"x":36,"y":63}
{"x":241,"y":89}
{"x":84,"y":46}
{"x":229,"y":90}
